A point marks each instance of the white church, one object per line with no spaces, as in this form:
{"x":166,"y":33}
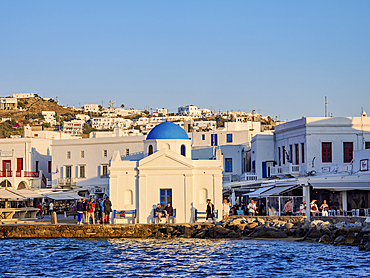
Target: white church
{"x":165,"y":174}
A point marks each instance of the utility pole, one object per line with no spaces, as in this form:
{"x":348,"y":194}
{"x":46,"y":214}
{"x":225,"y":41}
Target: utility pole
{"x":326,"y":106}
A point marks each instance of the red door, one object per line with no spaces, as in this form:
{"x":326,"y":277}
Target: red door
{"x":19,"y":166}
{"x":7,"y":169}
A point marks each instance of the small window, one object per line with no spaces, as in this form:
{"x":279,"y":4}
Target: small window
{"x":347,"y":152}
{"x":326,"y":152}
{"x":279,"y":153}
{"x":82,"y":154}
{"x":229,"y":138}
{"x":283,"y":154}
{"x":367,"y":145}
{"x":49,"y":166}
{"x":127,"y":152}
{"x":214,"y":140}
{"x":68,"y":155}
{"x":203,"y":137}
{"x":68,"y":173}
{"x":166,"y":197}
{"x":105,"y":153}
{"x":183,"y":150}
{"x":150,"y":150}
{"x":82,"y":171}
{"x":296,"y":154}
{"x":302,"y":152}
{"x":104,"y":171}
{"x":228,"y":165}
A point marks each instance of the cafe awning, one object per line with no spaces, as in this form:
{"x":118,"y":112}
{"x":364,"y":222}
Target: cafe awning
{"x":256,"y":194}
{"x":8,"y":195}
{"x":67,"y":195}
{"x":25,"y":193}
{"x":278,"y":190}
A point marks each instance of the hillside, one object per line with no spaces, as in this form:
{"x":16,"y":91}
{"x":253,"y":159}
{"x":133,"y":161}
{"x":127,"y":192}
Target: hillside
{"x":31,"y":110}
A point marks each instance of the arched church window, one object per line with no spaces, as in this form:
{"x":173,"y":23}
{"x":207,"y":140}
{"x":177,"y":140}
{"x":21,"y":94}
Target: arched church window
{"x":183,"y":150}
{"x":150,"y":151}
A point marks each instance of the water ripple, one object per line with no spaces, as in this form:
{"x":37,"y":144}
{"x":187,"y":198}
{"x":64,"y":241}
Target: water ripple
{"x":177,"y":258}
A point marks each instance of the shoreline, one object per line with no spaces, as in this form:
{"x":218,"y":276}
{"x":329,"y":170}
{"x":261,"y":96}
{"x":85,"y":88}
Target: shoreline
{"x":336,"y":231}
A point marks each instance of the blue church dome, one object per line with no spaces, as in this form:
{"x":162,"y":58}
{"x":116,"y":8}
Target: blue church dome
{"x":167,"y":130}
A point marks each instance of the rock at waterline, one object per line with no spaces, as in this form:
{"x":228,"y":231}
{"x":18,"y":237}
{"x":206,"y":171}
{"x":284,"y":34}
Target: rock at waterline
{"x":267,"y":232}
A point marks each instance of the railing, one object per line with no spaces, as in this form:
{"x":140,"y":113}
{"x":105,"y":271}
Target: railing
{"x":5,"y":174}
{"x":248,"y":176}
{"x":236,"y":178}
{"x":286,"y":170}
{"x":31,"y":174}
{"x":66,"y":181}
{"x":44,"y":182}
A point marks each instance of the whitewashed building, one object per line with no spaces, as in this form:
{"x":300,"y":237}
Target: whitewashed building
{"x":8,"y":103}
{"x":49,"y":117}
{"x":110,"y":123}
{"x":166,"y":173}
{"x":94,"y":108}
{"x":234,"y":141}
{"x":23,"y":95}
{"x":83,"y":163}
{"x":25,"y":163}
{"x":74,"y":127}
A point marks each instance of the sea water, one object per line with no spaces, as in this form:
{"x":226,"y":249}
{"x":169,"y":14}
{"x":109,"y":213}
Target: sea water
{"x":178,"y":258}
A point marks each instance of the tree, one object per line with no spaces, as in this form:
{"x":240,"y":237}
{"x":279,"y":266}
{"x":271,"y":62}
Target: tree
{"x":100,"y":108}
{"x":122,"y":105}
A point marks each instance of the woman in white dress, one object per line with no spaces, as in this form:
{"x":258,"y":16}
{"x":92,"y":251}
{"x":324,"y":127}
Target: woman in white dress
{"x":225,"y":209}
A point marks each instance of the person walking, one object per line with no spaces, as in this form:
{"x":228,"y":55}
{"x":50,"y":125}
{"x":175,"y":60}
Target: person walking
{"x":225,"y":209}
{"x":39,"y":206}
{"x":90,"y":207}
{"x":97,"y":211}
{"x":80,"y":208}
{"x":324,"y":209}
{"x":102,"y":211}
{"x":84,"y":203}
{"x":107,"y":210}
{"x":51,"y":208}
{"x":210,"y":211}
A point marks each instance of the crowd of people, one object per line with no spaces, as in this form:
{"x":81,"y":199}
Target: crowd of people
{"x":94,"y":211}
{"x":252,"y":209}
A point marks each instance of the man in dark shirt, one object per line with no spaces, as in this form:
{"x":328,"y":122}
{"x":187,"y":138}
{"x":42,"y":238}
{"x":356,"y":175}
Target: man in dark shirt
{"x":168,"y":211}
{"x":84,"y":210}
{"x":107,"y":209}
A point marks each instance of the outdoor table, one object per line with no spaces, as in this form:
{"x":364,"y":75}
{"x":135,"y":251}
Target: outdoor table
{"x":8,"y":213}
{"x":32,"y":212}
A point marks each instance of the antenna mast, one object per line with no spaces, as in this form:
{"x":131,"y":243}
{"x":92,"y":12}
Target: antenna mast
{"x":326,"y":106}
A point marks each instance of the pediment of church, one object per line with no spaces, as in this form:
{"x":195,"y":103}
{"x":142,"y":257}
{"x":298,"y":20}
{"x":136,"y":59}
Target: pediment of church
{"x":165,"y":159}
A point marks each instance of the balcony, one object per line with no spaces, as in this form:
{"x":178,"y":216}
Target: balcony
{"x":66,"y":181}
{"x":288,"y":170}
{"x":19,"y":174}
{"x":235,"y":178}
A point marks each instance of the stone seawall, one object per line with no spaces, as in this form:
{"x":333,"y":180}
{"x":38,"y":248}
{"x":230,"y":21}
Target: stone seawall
{"x":336,"y":230}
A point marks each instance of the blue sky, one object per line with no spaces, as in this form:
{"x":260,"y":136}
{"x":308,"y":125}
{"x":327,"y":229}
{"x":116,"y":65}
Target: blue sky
{"x":282,"y":57}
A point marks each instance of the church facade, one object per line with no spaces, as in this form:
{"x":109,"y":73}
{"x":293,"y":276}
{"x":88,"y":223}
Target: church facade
{"x":165,"y":174}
